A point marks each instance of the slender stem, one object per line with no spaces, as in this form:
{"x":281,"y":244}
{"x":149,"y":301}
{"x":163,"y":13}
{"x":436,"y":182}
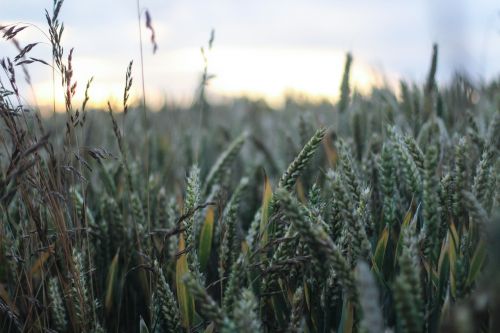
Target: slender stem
{"x":145,"y":119}
{"x":145,"y":125}
{"x":53,"y":87}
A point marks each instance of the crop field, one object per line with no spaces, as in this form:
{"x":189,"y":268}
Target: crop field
{"x":379,"y":213}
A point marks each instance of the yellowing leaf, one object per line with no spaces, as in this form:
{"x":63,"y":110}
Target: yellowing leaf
{"x":184,"y":298}
{"x":443,"y":254}
{"x":300,"y":191}
{"x":408,"y":222}
{"x":476,"y":263}
{"x":42,"y":259}
{"x":378,"y":257}
{"x":452,"y":257}
{"x":306,"y":293}
{"x":347,"y":320}
{"x":454,"y":236}
{"x":331,"y":153}
{"x":206,"y":236}
{"x":264,"y":217}
{"x":244,"y":247}
{"x":110,"y":282}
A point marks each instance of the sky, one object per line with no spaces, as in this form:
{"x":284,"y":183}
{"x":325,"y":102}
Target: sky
{"x":262,"y":48}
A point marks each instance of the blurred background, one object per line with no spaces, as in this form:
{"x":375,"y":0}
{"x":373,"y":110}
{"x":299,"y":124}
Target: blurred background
{"x":262,"y":49}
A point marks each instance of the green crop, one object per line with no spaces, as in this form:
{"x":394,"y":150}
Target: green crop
{"x":386,"y":218}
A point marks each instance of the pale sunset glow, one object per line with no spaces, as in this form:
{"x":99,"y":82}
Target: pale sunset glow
{"x":259,"y":50}
{"x":265,"y":73}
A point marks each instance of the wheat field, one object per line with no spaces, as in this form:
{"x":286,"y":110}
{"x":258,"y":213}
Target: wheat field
{"x":379,"y":213}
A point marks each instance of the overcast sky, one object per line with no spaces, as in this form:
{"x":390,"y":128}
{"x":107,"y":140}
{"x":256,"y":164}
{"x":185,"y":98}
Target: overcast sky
{"x":263,"y":48}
